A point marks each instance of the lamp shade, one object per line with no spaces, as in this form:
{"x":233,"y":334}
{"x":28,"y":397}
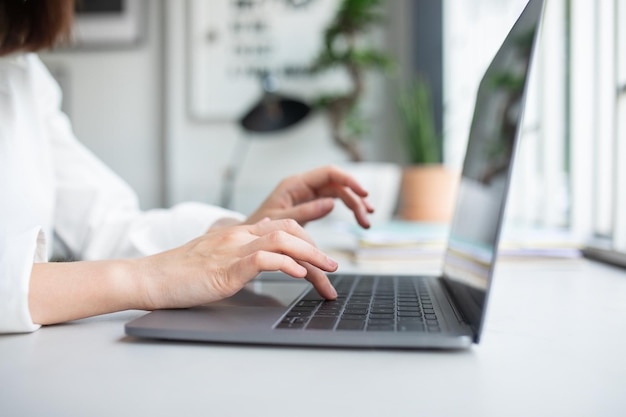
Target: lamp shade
{"x":273,"y":112}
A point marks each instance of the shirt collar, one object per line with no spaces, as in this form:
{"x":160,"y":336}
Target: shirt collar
{"x":16,"y":59}
{"x":7,"y":62}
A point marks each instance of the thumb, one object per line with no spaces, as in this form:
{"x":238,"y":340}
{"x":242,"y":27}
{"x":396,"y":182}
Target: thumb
{"x":312,"y":210}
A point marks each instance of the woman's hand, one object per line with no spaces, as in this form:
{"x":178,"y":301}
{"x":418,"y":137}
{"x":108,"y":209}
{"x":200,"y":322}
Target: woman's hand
{"x":221,"y":262}
{"x":209,"y":268}
{"x":310,"y":196}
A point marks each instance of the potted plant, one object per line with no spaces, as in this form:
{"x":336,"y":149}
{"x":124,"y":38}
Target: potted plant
{"x":428,"y":187}
{"x":344,"y":48}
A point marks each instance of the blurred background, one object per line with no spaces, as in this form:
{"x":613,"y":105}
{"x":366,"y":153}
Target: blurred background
{"x":158,"y":90}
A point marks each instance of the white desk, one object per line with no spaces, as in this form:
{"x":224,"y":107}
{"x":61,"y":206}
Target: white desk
{"x":554,"y":345}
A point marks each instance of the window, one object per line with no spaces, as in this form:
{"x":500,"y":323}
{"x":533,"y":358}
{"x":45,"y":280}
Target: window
{"x":571,"y":165}
{"x":619,"y":238}
{"x":543,"y":196}
{"x":598,"y":130}
{"x":540,"y":194}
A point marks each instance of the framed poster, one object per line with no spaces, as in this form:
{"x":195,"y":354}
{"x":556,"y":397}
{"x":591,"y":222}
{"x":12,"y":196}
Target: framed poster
{"x":109,"y":23}
{"x":230,"y":43}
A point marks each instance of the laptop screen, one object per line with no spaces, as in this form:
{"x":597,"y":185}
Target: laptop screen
{"x":472,"y":247}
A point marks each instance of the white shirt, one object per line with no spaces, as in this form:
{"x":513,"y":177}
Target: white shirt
{"x":54,"y":192}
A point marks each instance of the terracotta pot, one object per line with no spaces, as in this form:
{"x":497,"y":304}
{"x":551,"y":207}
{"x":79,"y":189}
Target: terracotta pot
{"x":427,"y":193}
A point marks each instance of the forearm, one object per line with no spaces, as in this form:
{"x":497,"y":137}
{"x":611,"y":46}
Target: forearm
{"x":66,"y":291}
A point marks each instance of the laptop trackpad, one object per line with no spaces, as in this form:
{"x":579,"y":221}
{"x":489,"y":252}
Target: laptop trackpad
{"x":265,"y":294}
{"x":254,"y":308}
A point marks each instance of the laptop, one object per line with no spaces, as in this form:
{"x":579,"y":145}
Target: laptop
{"x":406,"y":311}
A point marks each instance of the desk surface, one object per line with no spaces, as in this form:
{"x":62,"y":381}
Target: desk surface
{"x":554,"y":345}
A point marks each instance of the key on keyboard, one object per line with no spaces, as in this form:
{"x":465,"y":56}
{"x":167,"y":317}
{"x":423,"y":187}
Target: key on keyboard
{"x":366,"y":304}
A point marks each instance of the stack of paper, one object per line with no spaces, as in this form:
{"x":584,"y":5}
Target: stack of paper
{"x":411,"y":241}
{"x":399,"y":240}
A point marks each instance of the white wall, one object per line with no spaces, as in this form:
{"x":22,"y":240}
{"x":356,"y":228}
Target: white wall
{"x":113,"y":99}
{"x":129,"y":106}
{"x":199,"y":152}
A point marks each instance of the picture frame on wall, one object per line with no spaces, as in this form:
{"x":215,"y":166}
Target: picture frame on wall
{"x":109,"y":23}
{"x":230,"y":43}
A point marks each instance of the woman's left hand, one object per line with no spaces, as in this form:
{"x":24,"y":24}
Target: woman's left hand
{"x":310,"y":196}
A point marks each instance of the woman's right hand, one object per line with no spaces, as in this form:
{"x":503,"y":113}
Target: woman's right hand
{"x":209,"y":268}
{"x":219,"y":263}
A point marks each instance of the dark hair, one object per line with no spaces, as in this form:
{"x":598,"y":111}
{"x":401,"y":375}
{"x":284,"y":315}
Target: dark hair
{"x":31,"y":25}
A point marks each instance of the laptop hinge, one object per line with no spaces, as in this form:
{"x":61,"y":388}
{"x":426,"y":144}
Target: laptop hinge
{"x":455,"y":305}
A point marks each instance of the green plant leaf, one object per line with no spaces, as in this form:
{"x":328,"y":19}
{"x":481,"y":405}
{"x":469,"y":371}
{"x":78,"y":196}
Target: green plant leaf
{"x":416,"y":114}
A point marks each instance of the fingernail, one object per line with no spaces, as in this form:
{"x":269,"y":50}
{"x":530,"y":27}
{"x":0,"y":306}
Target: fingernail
{"x":332,"y":262}
{"x":333,"y":292}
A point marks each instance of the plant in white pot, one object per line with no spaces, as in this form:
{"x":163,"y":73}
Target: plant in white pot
{"x":428,"y":186}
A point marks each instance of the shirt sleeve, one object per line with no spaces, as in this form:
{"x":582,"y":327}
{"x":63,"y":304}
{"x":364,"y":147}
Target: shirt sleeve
{"x":97,"y":215}
{"x":14,"y":311}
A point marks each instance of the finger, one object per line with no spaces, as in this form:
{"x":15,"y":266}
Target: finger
{"x":282,"y":242}
{"x":320,"y":177}
{"x":320,"y":282}
{"x":318,"y":208}
{"x":368,"y":206}
{"x":257,"y":262}
{"x":313,"y":210}
{"x":359,"y":206}
{"x":288,"y":225}
{"x":361,"y":216}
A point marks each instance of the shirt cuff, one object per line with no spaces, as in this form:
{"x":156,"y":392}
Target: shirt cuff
{"x":160,"y":230}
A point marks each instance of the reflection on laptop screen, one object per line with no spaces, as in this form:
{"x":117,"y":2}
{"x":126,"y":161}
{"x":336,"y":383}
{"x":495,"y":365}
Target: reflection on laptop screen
{"x":482,"y":193}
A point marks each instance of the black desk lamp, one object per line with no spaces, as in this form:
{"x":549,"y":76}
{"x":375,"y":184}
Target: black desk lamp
{"x":272,"y":113}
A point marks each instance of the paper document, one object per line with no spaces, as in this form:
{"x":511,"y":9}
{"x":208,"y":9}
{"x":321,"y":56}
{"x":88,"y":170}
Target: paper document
{"x":400,"y":240}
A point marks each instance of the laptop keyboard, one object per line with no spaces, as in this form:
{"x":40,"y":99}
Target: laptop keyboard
{"x":366,"y":303}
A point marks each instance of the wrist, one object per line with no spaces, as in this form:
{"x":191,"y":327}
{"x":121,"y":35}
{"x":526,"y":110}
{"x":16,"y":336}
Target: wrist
{"x":225,"y":222}
{"x":127,"y":283}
